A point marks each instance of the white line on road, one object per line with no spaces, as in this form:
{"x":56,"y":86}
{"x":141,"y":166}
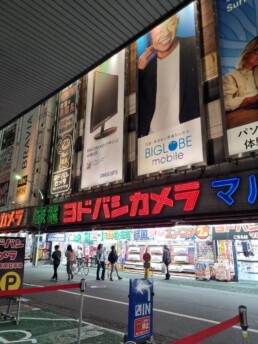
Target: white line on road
{"x":155,"y":309}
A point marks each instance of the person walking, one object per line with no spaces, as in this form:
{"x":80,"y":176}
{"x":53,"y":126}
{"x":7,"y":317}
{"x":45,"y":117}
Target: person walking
{"x":70,"y":255}
{"x":100,"y":257}
{"x":166,"y":260}
{"x":112,"y":258}
{"x":56,"y":256}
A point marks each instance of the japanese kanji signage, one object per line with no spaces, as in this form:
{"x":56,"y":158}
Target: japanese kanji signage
{"x":62,"y":164}
{"x":244,"y":231}
{"x":12,"y":219}
{"x":222,"y":195}
{"x":237,"y":32}
{"x":140,"y":317}
{"x":12,"y":251}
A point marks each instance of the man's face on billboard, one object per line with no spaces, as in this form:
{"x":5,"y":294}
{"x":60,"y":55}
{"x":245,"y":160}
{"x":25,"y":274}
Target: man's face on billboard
{"x":163,"y":35}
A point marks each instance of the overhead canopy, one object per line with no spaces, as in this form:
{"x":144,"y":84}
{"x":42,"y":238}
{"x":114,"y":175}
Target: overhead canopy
{"x":47,"y":44}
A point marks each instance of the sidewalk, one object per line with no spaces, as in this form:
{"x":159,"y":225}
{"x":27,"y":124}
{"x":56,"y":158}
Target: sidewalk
{"x":246,"y":287}
{"x":45,"y":327}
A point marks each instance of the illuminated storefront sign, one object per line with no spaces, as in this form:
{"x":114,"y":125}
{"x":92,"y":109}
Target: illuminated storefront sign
{"x":137,"y":204}
{"x":232,"y":184}
{"x":172,"y":201}
{"x":246,"y":231}
{"x":12,"y":251}
{"x":12,"y":219}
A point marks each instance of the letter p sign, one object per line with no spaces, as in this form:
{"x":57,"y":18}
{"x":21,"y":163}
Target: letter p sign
{"x":10,"y":281}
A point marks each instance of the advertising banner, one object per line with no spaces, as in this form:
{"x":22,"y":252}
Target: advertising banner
{"x":169,"y":122}
{"x":140,"y":317}
{"x":6,"y":156}
{"x":26,"y":154}
{"x":104,"y":128}
{"x":62,"y":162}
{"x":238,"y":47}
{"x":12,"y":252}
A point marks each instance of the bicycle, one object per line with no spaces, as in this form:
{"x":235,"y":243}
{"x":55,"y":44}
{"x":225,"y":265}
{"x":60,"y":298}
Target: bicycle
{"x":82,"y":266}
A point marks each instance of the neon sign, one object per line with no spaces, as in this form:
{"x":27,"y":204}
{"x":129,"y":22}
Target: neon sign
{"x":11,"y":218}
{"x":233,"y":185}
{"x":140,"y":204}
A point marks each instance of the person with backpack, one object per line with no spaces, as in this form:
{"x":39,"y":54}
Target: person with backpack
{"x":112,"y":258}
{"x":166,"y":260}
{"x":56,"y":256}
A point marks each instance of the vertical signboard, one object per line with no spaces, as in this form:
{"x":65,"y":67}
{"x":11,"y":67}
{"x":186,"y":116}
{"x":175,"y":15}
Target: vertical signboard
{"x":169,"y":121}
{"x":62,"y":162}
{"x":140,"y":318}
{"x":6,"y":155}
{"x":238,"y":47}
{"x":104,"y":128}
{"x":26,"y":154}
{"x":12,"y":252}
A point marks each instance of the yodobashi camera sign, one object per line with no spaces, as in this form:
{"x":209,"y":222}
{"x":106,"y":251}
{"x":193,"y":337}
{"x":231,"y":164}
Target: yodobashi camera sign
{"x":12,"y":252}
{"x":140,"y":317}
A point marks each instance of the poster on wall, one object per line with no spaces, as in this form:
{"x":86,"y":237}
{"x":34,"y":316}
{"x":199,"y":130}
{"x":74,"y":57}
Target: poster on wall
{"x":26,"y":153}
{"x":169,"y":115}
{"x":104,"y":128}
{"x":62,"y":162}
{"x":238,"y":46}
{"x":6,"y":156}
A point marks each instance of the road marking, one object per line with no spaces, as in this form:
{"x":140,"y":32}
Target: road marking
{"x":98,"y":286}
{"x":155,"y":309}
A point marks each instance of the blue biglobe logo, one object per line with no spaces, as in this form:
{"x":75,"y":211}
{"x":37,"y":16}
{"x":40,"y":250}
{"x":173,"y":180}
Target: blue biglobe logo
{"x":172,"y":146}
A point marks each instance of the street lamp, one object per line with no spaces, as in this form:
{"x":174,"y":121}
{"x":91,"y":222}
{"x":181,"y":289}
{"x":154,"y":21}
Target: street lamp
{"x":42,"y":197}
{"x":42,"y":203}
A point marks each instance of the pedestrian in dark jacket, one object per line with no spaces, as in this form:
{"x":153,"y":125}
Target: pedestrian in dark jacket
{"x":166,"y":260}
{"x":56,"y":256}
{"x":112,"y":258}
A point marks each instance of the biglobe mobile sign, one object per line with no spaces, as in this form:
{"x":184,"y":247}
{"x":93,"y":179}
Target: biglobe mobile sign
{"x":169,"y":114}
{"x":140,"y":317}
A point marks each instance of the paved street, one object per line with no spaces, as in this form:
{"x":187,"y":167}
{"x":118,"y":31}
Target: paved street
{"x":181,"y":306}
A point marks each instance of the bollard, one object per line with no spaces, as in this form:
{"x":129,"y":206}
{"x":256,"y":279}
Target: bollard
{"x":146,"y":266}
{"x":243,"y":322}
{"x":82,"y":289}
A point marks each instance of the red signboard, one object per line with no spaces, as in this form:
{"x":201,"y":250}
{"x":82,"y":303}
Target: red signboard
{"x":11,"y":218}
{"x":12,"y":251}
{"x":142,"y":326}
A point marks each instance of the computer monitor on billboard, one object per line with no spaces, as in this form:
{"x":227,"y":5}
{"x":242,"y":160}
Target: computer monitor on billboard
{"x":104,"y":102}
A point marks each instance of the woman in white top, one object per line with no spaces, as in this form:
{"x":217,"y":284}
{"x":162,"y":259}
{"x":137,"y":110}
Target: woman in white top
{"x":70,"y":255}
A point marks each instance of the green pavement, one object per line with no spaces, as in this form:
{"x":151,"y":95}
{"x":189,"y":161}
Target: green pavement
{"x":41,"y":327}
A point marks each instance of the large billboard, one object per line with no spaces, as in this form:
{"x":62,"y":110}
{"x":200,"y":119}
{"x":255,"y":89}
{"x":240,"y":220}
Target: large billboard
{"x":26,"y":153}
{"x":7,"y":142}
{"x":169,"y":109}
{"x":104,"y":124}
{"x":63,"y":150}
{"x":237,"y":23}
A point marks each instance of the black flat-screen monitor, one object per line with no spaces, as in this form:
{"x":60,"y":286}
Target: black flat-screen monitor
{"x":104,"y":102}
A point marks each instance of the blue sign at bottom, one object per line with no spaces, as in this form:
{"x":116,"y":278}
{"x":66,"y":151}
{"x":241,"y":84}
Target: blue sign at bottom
{"x":140,"y":317}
